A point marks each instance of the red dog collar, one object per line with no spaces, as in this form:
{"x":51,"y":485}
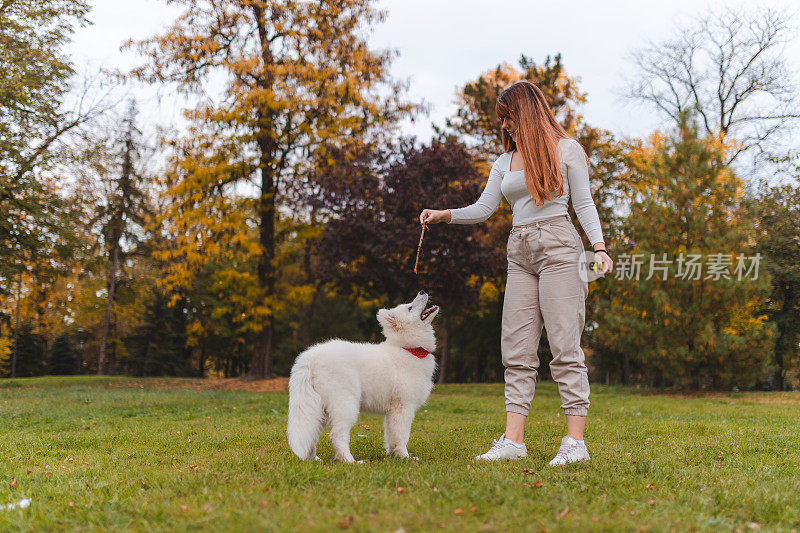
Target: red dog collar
{"x":419,"y":351}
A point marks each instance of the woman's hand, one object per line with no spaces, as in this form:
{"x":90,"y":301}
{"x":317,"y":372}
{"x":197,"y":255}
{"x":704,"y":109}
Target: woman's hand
{"x":434,"y":216}
{"x":606,"y":264}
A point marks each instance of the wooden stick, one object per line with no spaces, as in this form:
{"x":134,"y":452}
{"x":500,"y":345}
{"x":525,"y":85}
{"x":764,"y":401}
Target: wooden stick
{"x":419,"y":246}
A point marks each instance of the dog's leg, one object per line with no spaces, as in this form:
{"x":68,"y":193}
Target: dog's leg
{"x":403,"y":431}
{"x":343,"y":417}
{"x":389,"y":432}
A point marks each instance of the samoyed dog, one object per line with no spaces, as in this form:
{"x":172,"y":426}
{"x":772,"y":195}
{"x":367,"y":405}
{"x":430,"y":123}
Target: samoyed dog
{"x":331,"y":382}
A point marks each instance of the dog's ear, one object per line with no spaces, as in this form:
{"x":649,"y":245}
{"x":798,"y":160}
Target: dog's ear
{"x":386,"y":318}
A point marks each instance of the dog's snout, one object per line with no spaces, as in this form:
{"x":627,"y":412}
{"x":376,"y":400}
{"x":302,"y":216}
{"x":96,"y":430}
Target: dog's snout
{"x":421,"y":293}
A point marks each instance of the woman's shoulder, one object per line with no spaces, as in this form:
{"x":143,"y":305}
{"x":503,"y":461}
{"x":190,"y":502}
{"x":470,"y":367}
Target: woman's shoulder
{"x":501,"y":159}
{"x":570,"y":148}
{"x":569,"y":142}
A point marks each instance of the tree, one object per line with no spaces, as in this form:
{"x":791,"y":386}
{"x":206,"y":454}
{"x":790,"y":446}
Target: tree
{"x":682,"y":327}
{"x":726,"y":66}
{"x":30,"y":348}
{"x":158,"y":347}
{"x":36,"y":238}
{"x":777,"y":214}
{"x":476,"y":123}
{"x":121,"y":211}
{"x":34,"y":79}
{"x":299,"y":79}
{"x":370,"y":241}
{"x":61,"y":359}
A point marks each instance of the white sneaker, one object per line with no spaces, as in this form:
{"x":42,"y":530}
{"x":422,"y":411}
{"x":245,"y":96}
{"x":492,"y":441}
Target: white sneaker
{"x":570,"y":451}
{"x":502,"y":449}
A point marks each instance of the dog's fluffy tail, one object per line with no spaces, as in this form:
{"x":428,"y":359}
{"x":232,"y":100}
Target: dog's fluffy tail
{"x":306,"y":412}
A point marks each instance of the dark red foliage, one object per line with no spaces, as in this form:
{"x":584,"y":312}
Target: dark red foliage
{"x":374,"y":201}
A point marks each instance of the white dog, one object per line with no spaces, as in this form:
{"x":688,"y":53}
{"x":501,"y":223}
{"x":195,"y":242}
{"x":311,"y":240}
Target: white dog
{"x":332,"y":381}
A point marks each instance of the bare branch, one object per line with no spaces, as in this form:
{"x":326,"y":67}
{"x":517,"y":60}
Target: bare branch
{"x":728,"y":66}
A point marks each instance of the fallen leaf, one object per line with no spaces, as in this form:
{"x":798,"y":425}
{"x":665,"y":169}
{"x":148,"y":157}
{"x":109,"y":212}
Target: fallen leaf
{"x":344,"y":524}
{"x":434,"y":489}
{"x":459,"y":511}
{"x":595,"y":519}
{"x":473,"y":508}
{"x":72,"y":504}
{"x":538,"y":484}
{"x":754,"y":525}
{"x":184,"y":507}
{"x":650,"y":486}
{"x":13,"y":482}
{"x":528,"y":472}
{"x":564,"y":513}
{"x":401,"y":489}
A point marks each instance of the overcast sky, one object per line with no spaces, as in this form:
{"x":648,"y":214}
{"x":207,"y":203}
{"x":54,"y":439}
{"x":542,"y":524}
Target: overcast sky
{"x":444,"y":44}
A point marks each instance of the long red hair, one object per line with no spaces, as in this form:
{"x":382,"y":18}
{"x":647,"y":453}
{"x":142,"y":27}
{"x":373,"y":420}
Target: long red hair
{"x":538,"y":133}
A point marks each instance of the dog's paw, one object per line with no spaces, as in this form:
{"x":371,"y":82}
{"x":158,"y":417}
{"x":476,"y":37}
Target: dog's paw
{"x":405,"y":455}
{"x":316,"y":458}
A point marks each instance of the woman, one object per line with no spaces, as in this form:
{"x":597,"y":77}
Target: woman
{"x":544,"y":285}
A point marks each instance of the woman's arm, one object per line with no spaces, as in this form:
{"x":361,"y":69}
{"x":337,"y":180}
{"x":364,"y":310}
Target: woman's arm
{"x":580,"y":193}
{"x":486,"y":204}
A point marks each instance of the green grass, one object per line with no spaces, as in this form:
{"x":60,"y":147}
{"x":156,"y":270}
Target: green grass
{"x":102,"y":453}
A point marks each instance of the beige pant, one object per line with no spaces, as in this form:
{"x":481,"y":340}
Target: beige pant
{"x":544,"y":288}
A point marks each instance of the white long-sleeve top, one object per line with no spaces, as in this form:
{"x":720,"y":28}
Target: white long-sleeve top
{"x":511,"y":183}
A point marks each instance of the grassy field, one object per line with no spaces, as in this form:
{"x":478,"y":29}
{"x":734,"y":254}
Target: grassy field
{"x":102,"y":453}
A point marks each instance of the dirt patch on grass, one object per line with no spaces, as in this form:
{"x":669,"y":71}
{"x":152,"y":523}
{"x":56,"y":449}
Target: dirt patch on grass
{"x":212,"y":384}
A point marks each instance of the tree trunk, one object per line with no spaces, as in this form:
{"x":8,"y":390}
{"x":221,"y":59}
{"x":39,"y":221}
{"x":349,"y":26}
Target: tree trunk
{"x":201,"y":363}
{"x":16,"y":328}
{"x":262,"y":358}
{"x":308,"y":317}
{"x":784,"y":343}
{"x":112,"y":285}
{"x":445,"y":348}
{"x":626,"y":369}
